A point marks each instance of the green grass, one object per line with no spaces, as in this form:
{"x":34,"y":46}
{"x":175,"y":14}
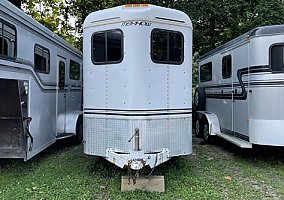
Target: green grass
{"x":64,"y":172}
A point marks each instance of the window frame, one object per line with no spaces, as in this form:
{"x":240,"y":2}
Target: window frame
{"x":270,"y":57}
{"x":168,"y":47}
{"x":70,"y":70}
{"x":106,"y":49}
{"x":2,"y":56}
{"x":223,"y":58}
{"x":48,"y":67}
{"x":204,"y":81}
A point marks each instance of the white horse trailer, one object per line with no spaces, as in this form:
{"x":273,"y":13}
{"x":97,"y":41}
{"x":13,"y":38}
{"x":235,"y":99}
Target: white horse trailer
{"x":40,"y":86}
{"x":137,"y":85}
{"x":240,"y":94}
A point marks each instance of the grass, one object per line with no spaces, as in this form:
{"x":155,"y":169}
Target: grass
{"x":218,"y":171}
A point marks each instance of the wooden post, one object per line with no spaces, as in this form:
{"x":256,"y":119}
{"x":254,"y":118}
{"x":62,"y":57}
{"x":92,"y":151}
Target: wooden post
{"x":148,"y":183}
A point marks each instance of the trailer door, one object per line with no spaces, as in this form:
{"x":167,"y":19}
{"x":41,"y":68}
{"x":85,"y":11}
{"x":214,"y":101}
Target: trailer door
{"x":12,"y":139}
{"x":226,"y":110}
{"x":61,"y":95}
{"x":241,"y":103}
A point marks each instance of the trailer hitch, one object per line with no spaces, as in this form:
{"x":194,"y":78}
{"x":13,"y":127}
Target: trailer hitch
{"x":136,"y":173}
{"x":28,"y":134}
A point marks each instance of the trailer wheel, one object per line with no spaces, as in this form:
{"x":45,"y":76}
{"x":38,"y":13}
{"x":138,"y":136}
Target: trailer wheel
{"x":79,"y":131}
{"x":199,"y":99}
{"x":205,"y":132}
{"x":197,"y":125}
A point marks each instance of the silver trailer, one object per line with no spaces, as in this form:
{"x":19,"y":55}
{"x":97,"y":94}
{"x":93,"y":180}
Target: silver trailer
{"x":137,"y":85}
{"x":40,"y":86}
{"x":240,"y":93}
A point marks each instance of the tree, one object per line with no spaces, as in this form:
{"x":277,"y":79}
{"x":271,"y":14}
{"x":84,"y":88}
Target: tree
{"x":54,"y":15}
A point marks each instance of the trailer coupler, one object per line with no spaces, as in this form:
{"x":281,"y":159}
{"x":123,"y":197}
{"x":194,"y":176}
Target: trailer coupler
{"x":136,"y":160}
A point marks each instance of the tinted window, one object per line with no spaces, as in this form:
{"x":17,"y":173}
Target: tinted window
{"x":114,"y":46}
{"x":206,"y":72}
{"x":159,"y":45}
{"x":74,"y":72}
{"x":42,"y":59}
{"x":167,"y":46}
{"x":61,"y":77}
{"x":227,"y":66}
{"x":107,"y":47}
{"x":7,"y":40}
{"x":99,"y":51}
{"x":277,"y":58}
{"x":175,"y":47}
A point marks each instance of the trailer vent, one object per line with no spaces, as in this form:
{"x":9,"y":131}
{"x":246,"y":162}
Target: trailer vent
{"x":172,"y":20}
{"x":105,"y":20}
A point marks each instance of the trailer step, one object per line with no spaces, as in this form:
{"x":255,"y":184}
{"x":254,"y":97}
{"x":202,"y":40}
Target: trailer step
{"x":64,"y":135}
{"x":239,"y":142}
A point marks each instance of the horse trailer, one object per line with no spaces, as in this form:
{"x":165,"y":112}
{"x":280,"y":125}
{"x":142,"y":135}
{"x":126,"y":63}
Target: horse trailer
{"x":240,"y":93}
{"x":137,"y":85}
{"x":40,"y":86}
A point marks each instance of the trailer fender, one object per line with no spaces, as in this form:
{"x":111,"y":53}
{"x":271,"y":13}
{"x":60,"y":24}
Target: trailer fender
{"x":69,"y":121}
{"x":213,"y":121}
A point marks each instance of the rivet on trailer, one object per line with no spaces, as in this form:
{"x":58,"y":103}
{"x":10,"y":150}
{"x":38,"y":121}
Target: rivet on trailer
{"x":137,"y":85}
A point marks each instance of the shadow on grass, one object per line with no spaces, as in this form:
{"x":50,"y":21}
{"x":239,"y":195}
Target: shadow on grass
{"x":52,"y":150}
{"x":258,"y":152}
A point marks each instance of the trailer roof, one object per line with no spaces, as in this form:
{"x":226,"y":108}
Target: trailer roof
{"x":137,"y":12}
{"x":259,"y":31}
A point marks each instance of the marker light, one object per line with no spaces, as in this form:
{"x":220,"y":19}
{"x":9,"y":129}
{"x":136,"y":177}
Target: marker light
{"x":136,"y":5}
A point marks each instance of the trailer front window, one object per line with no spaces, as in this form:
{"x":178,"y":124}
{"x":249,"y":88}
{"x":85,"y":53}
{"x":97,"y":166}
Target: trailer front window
{"x":167,"y":46}
{"x":114,"y":46}
{"x":159,"y":42}
{"x":277,"y":58}
{"x":107,"y":47}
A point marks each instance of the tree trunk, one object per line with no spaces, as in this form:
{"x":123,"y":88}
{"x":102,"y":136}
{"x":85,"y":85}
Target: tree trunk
{"x":16,"y":3}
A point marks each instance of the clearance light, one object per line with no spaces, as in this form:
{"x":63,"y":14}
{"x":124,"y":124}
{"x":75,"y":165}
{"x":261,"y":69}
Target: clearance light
{"x":136,"y":5}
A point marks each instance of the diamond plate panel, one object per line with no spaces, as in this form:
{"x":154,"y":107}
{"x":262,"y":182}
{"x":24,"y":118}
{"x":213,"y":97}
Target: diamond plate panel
{"x":155,"y":134}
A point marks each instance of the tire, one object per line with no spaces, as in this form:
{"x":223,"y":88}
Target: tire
{"x":199,"y":99}
{"x":79,"y":131}
{"x":205,"y":132}
{"x":197,"y":126}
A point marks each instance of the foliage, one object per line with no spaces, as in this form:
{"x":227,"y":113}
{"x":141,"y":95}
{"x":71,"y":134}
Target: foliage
{"x":54,"y":15}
